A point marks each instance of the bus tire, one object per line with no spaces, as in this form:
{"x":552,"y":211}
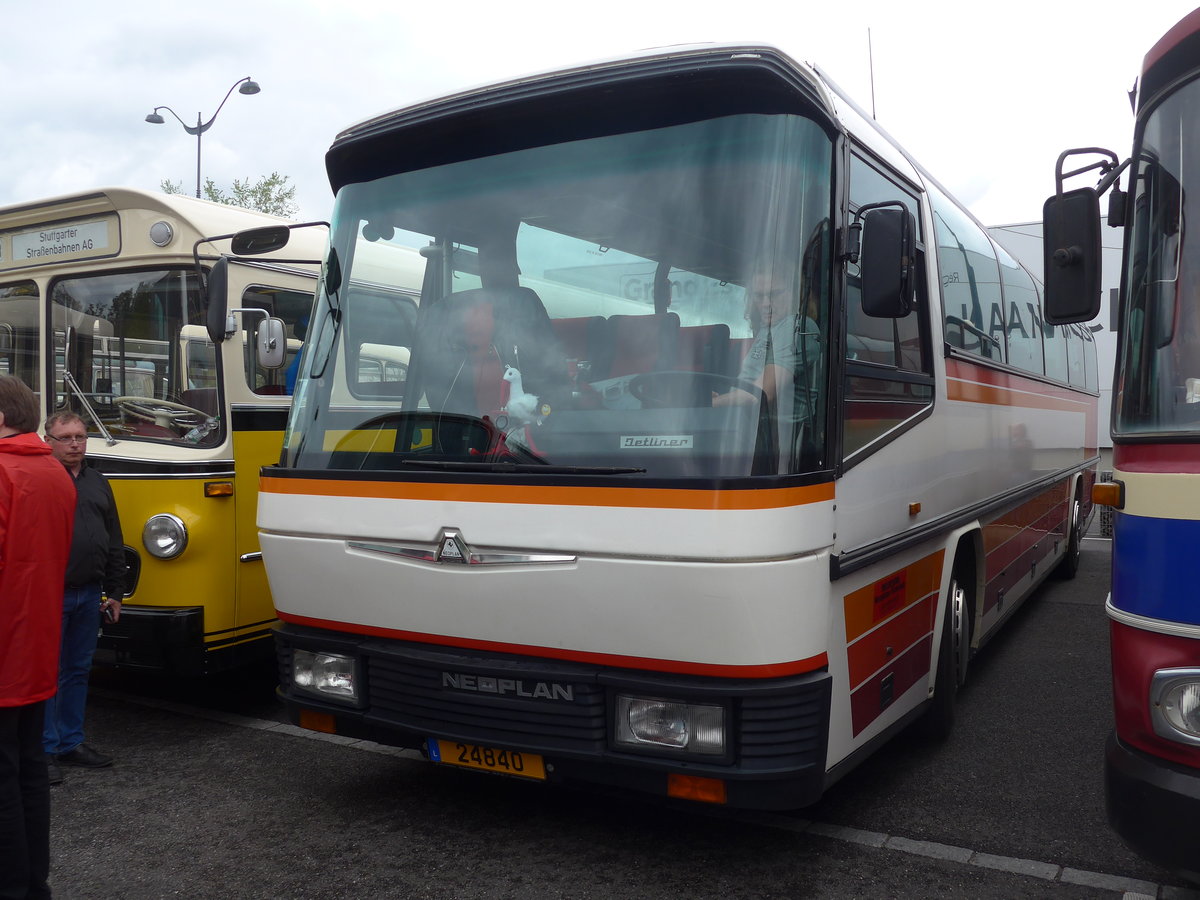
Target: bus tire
{"x":953,"y":659}
{"x":1068,"y":566}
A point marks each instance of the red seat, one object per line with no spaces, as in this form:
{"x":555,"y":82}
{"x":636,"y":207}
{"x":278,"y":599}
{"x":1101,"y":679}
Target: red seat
{"x":642,"y":343}
{"x":581,"y":338}
{"x":703,"y":348}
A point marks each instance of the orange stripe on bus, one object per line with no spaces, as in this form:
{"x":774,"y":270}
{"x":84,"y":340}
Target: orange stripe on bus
{"x":553,"y":495}
{"x":973,"y":392}
{"x":681,"y":667}
{"x":883,"y":599}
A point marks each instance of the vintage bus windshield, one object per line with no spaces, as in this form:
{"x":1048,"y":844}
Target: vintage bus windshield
{"x":1160,"y":358}
{"x":620,"y":304}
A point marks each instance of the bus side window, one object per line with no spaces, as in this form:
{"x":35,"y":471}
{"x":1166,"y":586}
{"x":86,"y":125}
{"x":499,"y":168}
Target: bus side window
{"x":888,"y":368}
{"x":971,"y":297}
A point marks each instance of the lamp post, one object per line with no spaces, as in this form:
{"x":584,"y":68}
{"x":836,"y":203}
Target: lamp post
{"x":247,"y":87}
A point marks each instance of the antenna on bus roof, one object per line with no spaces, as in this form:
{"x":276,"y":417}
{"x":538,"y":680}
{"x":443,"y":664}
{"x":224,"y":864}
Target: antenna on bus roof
{"x":871,"y":64}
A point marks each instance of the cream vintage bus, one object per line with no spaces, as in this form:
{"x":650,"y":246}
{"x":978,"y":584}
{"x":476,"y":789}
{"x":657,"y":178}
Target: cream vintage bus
{"x":103,"y":312}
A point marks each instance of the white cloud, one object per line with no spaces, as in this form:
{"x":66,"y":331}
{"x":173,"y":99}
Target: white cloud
{"x":984,"y":99}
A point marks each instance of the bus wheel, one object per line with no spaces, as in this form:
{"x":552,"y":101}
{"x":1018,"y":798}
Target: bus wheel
{"x":1069,"y":564}
{"x":953,"y":658}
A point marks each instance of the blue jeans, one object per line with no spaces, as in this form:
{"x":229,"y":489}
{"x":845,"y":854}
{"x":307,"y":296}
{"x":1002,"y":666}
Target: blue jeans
{"x":80,"y":628}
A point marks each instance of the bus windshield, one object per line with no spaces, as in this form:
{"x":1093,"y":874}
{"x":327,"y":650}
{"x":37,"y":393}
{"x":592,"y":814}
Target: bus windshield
{"x":655,"y":301}
{"x":118,"y":334}
{"x":1159,"y":392}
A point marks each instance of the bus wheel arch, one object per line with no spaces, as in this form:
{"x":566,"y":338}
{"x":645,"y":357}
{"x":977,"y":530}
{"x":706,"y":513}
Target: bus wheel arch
{"x":1068,"y":565}
{"x":956,"y":636}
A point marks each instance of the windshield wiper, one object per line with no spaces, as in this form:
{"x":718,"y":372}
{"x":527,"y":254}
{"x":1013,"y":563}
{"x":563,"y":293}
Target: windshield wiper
{"x":539,"y":468}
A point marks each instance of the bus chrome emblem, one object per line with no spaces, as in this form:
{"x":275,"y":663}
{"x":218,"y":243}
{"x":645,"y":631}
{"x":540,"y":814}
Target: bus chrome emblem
{"x":452,"y":549}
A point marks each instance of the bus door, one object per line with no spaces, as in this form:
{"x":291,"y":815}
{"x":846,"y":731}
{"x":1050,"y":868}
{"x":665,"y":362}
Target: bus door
{"x":259,"y":399}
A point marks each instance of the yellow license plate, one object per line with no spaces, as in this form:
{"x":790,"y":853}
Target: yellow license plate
{"x":488,"y":759}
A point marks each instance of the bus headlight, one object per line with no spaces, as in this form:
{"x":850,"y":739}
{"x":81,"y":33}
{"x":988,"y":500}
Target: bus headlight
{"x":1175,"y":704}
{"x":164,"y":536}
{"x":330,"y":674}
{"x":647,"y":722}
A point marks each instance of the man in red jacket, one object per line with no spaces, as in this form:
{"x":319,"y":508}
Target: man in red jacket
{"x":37,"y":508}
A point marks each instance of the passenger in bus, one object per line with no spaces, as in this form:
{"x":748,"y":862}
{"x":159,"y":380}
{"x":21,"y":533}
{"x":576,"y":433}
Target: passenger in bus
{"x":93,"y":589}
{"x":784,"y":341}
{"x":37,"y":502}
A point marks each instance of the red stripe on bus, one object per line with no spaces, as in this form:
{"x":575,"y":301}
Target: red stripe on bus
{"x":877,"y":648}
{"x":1157,"y":458}
{"x":869,"y":701}
{"x":674,"y":666}
{"x":646,"y":498}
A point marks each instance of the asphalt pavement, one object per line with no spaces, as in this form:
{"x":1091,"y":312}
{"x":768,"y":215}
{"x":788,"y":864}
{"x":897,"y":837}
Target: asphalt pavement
{"x":213,"y":795}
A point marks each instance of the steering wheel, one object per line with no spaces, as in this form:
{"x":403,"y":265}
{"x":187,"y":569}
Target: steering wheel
{"x":161,"y":412}
{"x":661,"y":390}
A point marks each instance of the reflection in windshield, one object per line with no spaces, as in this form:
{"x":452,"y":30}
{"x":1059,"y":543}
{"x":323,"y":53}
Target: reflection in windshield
{"x":1160,"y":349}
{"x":628,"y":303}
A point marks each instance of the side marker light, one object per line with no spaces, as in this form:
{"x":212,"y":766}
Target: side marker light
{"x":1109,"y":493}
{"x":317,"y":721}
{"x":693,"y":787}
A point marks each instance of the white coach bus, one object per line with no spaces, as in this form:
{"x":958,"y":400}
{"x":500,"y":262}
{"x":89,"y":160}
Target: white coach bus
{"x":726,"y":436}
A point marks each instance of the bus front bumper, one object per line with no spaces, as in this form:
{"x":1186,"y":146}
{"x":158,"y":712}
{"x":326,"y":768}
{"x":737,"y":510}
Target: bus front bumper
{"x":1154,"y":805}
{"x":778,"y":731}
{"x":155,"y":637}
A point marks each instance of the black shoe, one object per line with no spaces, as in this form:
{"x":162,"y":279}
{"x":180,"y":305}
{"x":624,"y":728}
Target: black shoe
{"x":85,"y":756}
{"x":53,"y":770}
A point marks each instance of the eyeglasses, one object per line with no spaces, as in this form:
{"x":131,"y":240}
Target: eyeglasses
{"x":69,"y":438}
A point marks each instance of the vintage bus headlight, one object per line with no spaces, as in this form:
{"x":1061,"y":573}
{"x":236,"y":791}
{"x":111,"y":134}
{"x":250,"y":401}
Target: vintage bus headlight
{"x":164,"y":536}
{"x":330,"y":674}
{"x":1175,"y":704}
{"x":647,"y":722}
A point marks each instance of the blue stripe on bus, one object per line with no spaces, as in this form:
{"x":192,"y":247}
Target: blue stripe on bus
{"x":1156,"y":567}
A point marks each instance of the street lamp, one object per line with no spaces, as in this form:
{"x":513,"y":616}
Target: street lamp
{"x":247,"y":87}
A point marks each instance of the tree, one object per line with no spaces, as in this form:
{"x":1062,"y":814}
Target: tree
{"x":270,"y":194}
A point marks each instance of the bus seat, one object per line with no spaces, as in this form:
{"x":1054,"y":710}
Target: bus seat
{"x":581,"y":338}
{"x":466,"y":340}
{"x":642,"y":343}
{"x":736,"y":354}
{"x":203,"y":399}
{"x":703,"y":348}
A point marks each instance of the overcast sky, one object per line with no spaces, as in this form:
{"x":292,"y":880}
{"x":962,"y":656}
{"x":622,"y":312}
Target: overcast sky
{"x":985,"y":96}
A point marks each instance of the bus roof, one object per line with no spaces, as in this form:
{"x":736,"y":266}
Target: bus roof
{"x":1174,"y":54}
{"x":801,"y":78}
{"x":194,"y":218}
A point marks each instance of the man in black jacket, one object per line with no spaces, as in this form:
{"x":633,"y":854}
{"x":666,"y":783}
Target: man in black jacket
{"x":95,"y":585}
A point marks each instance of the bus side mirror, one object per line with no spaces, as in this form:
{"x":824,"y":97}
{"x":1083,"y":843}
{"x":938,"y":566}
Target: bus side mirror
{"x":887,"y":260}
{"x":1071,"y":249}
{"x":254,"y":241}
{"x":272,"y":343}
{"x":217,"y":291}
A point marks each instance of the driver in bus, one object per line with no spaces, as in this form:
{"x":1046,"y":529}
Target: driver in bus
{"x":783,"y":340}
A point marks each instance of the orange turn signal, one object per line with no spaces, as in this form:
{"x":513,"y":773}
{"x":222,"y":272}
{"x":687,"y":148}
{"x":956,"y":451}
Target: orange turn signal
{"x":693,"y":787}
{"x":218,"y":489}
{"x":318,"y":721}
{"x":1109,"y":493}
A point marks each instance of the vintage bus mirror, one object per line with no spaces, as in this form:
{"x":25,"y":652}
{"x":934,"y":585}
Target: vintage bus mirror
{"x":272,"y":343}
{"x":254,"y":241}
{"x":886,"y":259}
{"x":1071,"y":249}
{"x":217,"y":291}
